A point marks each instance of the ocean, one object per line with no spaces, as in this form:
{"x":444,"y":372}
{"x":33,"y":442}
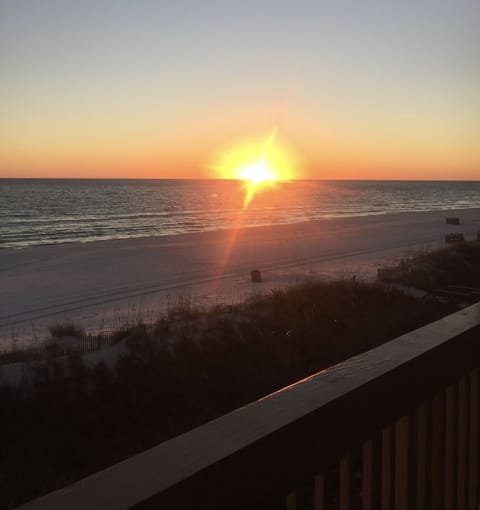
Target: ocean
{"x":53,"y":211}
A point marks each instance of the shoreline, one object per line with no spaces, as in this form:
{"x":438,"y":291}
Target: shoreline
{"x":326,"y":218}
{"x":358,"y":218}
{"x":42,"y":285}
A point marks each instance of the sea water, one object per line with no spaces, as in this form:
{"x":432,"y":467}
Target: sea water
{"x":53,"y":211}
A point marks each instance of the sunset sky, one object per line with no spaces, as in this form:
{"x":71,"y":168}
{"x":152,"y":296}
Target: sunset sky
{"x":153,"y":89}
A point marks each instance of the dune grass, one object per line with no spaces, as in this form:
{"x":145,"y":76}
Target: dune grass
{"x":66,"y":329}
{"x":457,"y":264}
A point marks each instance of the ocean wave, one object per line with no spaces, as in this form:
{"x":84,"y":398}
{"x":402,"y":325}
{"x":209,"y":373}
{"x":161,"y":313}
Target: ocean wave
{"x":39,"y":212}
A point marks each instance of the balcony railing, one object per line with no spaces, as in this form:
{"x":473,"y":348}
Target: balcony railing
{"x":396,"y":428}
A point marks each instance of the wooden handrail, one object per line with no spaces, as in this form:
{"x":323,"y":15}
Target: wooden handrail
{"x":253,"y":456}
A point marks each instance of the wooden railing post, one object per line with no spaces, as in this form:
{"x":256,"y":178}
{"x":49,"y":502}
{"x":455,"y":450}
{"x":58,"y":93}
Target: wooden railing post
{"x":291,"y":503}
{"x":473,"y":440}
{"x":437,"y":452}
{"x":401,"y":464}
{"x":462,"y":443}
{"x":319,"y":492}
{"x":450,"y":415}
{"x":345,"y":483}
{"x":421,"y":456}
{"x":367,"y":488}
{"x":387,"y":468}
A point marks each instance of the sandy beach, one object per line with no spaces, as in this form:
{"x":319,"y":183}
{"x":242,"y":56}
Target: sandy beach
{"x":99,"y":284}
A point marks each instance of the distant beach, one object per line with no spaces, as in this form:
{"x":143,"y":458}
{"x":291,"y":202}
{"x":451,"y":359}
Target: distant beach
{"x":100,"y":282}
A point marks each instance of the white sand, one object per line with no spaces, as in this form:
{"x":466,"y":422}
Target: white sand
{"x":104,"y":283}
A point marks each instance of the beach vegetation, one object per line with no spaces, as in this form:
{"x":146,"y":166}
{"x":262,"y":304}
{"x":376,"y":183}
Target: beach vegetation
{"x":457,"y":264}
{"x":66,"y":329}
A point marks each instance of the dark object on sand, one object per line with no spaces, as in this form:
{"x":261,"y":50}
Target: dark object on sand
{"x":256,"y":276}
{"x":454,"y":238}
{"x":453,"y":221}
{"x":478,"y":236}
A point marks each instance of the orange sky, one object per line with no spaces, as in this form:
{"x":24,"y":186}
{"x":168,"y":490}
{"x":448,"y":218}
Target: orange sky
{"x":143,"y":91}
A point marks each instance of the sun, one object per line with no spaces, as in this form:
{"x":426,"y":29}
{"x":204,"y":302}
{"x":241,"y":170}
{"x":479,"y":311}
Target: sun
{"x":256,"y":176}
{"x":258,"y":172}
{"x":258,"y":162}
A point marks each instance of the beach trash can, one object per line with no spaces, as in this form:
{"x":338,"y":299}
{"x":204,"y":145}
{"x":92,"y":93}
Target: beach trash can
{"x":256,"y":276}
{"x":453,"y":221}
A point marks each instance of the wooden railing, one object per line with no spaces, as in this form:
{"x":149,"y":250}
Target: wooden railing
{"x":396,"y":427}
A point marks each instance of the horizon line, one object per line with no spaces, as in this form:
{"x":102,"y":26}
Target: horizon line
{"x":219,"y":179}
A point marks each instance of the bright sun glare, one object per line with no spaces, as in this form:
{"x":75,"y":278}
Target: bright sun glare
{"x":258,"y":172}
{"x":259,"y":163}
